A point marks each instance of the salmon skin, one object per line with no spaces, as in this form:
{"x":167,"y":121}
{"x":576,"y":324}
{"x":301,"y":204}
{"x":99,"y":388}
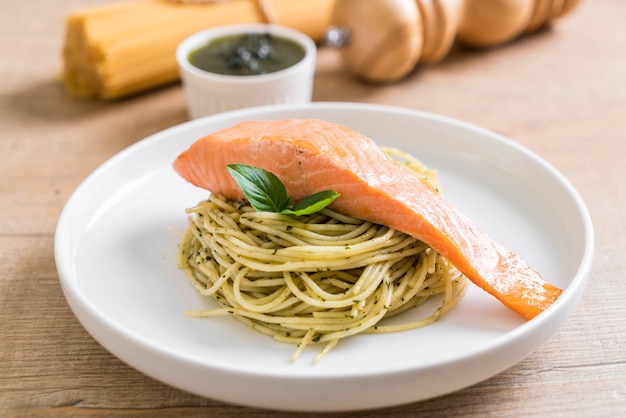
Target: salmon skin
{"x":314,"y":155}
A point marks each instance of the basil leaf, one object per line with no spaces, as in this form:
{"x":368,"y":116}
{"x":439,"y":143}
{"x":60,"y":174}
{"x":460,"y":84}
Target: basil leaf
{"x":313,"y":203}
{"x":264,"y":191}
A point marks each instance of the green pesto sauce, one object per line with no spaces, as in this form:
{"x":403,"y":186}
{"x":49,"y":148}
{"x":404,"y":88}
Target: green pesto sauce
{"x":248,"y":54}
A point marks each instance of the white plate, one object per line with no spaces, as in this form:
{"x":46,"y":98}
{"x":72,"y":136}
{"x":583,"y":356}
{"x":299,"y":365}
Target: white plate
{"x":115,"y":249}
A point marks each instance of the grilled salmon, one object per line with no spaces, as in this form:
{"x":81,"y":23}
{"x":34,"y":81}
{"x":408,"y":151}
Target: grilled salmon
{"x":314,"y":155}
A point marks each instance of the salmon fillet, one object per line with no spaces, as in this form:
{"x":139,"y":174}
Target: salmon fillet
{"x":314,"y":155}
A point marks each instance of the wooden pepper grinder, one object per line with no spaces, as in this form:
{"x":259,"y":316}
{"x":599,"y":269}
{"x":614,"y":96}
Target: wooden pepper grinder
{"x":380,"y":40}
{"x":505,"y":20}
{"x":383,"y":40}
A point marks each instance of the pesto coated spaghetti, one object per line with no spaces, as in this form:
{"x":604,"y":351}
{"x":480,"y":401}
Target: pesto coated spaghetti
{"x":316,"y":278}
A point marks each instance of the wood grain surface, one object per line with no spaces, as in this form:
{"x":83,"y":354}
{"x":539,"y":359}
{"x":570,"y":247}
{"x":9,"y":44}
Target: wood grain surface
{"x":560,"y":92}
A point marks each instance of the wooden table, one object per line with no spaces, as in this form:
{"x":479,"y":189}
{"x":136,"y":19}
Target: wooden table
{"x":561,"y":93}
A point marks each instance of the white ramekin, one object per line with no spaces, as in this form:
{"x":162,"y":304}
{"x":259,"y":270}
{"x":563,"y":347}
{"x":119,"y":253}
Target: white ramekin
{"x":208,"y":93}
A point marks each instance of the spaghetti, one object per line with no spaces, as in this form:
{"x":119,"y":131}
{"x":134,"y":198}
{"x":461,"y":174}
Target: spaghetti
{"x":316,"y":278}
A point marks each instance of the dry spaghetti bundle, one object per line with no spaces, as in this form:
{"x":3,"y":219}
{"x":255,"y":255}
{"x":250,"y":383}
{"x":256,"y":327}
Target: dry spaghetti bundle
{"x":116,"y":50}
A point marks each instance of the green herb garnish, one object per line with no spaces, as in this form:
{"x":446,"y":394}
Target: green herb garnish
{"x":266,"y":193}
